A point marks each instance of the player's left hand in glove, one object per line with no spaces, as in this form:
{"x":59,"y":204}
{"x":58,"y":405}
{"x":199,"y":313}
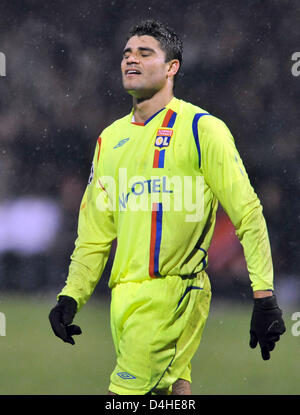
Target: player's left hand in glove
{"x":266,"y":326}
{"x":61,"y":317}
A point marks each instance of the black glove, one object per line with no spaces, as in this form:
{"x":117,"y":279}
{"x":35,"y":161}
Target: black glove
{"x":266,"y":325}
{"x":61,"y":316}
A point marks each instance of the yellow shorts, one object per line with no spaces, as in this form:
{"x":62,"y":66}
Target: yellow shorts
{"x":156,"y":328}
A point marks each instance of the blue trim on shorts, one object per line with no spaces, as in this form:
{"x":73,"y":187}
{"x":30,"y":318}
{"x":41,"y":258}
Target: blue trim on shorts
{"x":188,"y":289}
{"x":203,"y":259}
{"x":164,"y":371}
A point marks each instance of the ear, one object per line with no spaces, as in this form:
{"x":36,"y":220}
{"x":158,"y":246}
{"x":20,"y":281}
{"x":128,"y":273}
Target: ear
{"x":173,"y":67}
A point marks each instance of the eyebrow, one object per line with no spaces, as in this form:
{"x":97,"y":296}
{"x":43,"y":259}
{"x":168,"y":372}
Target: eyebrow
{"x":141,"y":49}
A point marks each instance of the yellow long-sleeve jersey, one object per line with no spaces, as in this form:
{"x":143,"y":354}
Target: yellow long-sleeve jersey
{"x":155,"y":187}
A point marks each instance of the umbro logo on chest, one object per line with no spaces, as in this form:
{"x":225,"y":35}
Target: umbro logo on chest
{"x":121,"y":142}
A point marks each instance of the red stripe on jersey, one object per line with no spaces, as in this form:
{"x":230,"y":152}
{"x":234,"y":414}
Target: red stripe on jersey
{"x":156,"y":158}
{"x":138,"y":123}
{"x":152,"y":240}
{"x":167,"y":118}
{"x":99,"y":143}
{"x":101,"y":185}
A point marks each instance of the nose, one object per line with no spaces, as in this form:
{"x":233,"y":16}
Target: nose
{"x":132,"y":58}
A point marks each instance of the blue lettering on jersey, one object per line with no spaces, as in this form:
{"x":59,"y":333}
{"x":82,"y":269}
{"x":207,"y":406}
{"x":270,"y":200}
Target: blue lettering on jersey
{"x":121,"y":142}
{"x":156,"y":185}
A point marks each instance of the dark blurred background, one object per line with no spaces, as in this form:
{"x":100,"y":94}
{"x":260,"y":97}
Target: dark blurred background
{"x":63,"y":86}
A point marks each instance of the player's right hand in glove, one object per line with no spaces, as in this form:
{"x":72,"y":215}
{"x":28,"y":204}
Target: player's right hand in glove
{"x":61,"y":317}
{"x":266,"y":326}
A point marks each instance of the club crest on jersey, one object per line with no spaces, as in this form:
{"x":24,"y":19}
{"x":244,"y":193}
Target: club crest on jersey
{"x":163,"y":137}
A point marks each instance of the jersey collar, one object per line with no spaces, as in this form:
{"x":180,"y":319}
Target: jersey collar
{"x":171,"y":105}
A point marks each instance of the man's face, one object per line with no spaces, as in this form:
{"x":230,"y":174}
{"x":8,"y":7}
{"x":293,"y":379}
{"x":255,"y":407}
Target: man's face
{"x":144,"y":70}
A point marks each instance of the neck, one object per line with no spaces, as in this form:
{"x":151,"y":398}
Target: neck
{"x":145,"y":108}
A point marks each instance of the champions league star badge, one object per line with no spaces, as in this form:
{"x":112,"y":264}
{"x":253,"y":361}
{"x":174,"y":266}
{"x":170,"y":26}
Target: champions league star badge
{"x":163,"y":137}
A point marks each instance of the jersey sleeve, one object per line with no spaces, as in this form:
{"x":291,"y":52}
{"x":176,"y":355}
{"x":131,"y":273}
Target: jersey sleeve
{"x":225,"y":174}
{"x":96,"y":232}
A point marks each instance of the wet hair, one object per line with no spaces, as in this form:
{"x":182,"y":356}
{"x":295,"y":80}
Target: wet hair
{"x":169,"y":41}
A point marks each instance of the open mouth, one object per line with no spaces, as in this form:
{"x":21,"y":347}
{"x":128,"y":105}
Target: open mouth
{"x":130,"y":72}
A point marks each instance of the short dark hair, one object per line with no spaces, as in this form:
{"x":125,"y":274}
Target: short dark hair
{"x":169,"y":41}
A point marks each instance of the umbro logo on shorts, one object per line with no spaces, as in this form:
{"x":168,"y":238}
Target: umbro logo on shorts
{"x":121,"y":142}
{"x":125,"y":375}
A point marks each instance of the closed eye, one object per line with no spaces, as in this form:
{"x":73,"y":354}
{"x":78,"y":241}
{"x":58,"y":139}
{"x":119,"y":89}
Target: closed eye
{"x":142,"y":51}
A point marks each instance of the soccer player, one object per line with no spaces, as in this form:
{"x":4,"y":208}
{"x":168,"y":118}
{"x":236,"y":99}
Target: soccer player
{"x":157,"y":177}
